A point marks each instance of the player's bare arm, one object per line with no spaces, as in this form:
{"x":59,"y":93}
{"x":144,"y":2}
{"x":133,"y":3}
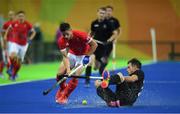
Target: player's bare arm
{"x":114,"y":36}
{"x":5,"y":37}
{"x":91,"y":33}
{"x":6,"y":32}
{"x":33,"y":34}
{"x":132,"y":78}
{"x":66,"y":60}
{"x":93,"y":46}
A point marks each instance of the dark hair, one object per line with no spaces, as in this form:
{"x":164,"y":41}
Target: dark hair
{"x":64,"y":26}
{"x":108,"y":6}
{"x":135,"y":62}
{"x":20,"y":12}
{"x":102,"y":8}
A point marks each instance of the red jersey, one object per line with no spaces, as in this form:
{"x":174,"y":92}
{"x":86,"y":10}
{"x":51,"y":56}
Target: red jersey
{"x":10,"y":33}
{"x":78,"y":45}
{"x":21,"y":31}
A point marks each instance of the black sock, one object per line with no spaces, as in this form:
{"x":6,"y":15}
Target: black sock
{"x":88,"y":73}
{"x":102,"y":67}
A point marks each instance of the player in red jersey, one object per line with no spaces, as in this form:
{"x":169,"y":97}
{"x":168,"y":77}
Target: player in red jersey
{"x":80,"y":46}
{"x":19,"y":43}
{"x":11,"y":16}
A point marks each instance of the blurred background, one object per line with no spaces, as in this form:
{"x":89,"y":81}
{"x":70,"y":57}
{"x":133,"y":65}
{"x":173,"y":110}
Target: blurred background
{"x":136,"y":18}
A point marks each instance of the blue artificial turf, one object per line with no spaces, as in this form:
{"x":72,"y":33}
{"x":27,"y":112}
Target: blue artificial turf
{"x":160,"y":94}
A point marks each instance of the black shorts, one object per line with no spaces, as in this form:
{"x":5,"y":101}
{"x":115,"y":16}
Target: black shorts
{"x":103,"y":51}
{"x":125,"y":95}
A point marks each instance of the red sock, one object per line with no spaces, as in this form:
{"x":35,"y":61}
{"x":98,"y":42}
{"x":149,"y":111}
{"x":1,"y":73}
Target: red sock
{"x":9,"y":63}
{"x":71,"y":86}
{"x":1,"y":66}
{"x":16,"y":67}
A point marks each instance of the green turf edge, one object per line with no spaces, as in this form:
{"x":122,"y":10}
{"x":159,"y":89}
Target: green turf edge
{"x":43,"y":71}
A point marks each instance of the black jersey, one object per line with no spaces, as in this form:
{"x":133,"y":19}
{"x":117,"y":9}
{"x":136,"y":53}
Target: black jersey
{"x":136,"y":86}
{"x":115,"y":24}
{"x":101,"y":31}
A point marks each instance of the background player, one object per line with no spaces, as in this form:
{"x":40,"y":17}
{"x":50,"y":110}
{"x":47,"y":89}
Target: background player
{"x":11,"y":16}
{"x":116,"y":26}
{"x":79,"y":44}
{"x":18,"y":47}
{"x":127,"y":87}
{"x":104,"y":34}
{"x":113,"y":22}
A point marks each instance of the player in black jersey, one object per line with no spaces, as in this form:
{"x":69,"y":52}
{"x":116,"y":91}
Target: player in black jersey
{"x":112,"y":20}
{"x":127,"y":87}
{"x":104,"y":34}
{"x":115,"y":25}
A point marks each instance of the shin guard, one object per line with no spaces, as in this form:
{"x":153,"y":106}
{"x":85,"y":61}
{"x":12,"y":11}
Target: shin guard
{"x":71,"y":86}
{"x":115,"y":79}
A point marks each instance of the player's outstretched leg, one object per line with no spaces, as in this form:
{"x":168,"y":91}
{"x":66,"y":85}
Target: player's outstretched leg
{"x":68,"y":90}
{"x":12,"y":59}
{"x":63,"y":85}
{"x":10,"y":68}
{"x":16,"y":68}
{"x":107,"y":95}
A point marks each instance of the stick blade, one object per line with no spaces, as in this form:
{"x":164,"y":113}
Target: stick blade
{"x":45,"y":92}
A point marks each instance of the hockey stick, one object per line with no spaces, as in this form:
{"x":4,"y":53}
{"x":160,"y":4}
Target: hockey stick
{"x":100,"y":42}
{"x":45,"y":92}
{"x":83,"y":77}
{"x":114,"y":56}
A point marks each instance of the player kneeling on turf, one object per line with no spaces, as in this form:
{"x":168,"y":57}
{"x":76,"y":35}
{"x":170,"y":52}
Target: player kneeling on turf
{"x":127,"y":87}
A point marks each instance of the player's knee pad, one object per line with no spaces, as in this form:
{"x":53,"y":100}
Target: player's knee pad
{"x":121,"y":76}
{"x":102,"y":67}
{"x":104,"y":60}
{"x":115,"y":79}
